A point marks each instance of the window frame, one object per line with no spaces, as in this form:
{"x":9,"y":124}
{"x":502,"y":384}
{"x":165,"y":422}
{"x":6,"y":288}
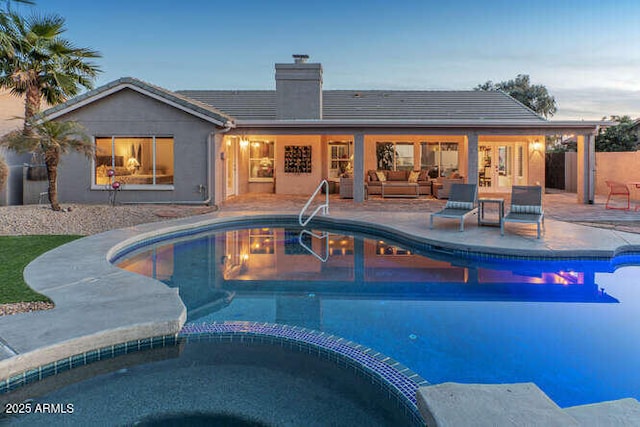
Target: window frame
{"x":438,"y":155}
{"x":132,"y":187}
{"x":339,"y":160}
{"x":273,"y":161}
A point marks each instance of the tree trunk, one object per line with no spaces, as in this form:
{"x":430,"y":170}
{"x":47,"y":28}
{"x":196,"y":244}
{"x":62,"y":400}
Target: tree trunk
{"x":31,"y":106}
{"x":51,"y":159}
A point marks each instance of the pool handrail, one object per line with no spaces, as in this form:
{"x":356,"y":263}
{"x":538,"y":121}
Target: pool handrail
{"x":324,"y":207}
{"x":324,"y":236}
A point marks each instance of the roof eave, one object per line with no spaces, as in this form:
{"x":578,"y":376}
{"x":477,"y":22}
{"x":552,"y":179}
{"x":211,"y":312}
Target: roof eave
{"x":443,"y":124}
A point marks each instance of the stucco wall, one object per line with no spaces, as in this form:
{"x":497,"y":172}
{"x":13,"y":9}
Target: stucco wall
{"x":623,"y":167}
{"x":129,"y":113}
{"x":298,"y":183}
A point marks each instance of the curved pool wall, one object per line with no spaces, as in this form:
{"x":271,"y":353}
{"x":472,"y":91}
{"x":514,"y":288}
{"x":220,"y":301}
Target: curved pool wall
{"x":93,"y":288}
{"x":227,"y":370}
{"x":450,"y":247}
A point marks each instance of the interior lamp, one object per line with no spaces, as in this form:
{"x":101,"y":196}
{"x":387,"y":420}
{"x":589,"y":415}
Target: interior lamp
{"x":244,"y":143}
{"x":132,"y":164}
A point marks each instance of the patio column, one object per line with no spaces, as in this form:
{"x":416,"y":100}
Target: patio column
{"x":358,"y":167}
{"x":472,"y":158}
{"x":586,"y":168}
{"x":217,"y":163}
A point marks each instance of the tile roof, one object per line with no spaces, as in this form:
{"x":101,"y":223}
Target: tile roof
{"x":169,"y":96}
{"x":376,"y":104}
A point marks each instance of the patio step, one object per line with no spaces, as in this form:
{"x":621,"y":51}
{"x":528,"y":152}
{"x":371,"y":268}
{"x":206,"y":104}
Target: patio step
{"x":522,"y":404}
{"x":623,"y":412}
{"x":453,"y":404}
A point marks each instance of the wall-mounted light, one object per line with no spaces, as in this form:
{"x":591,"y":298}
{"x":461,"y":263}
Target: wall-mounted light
{"x":536,"y":146}
{"x":244,"y":143}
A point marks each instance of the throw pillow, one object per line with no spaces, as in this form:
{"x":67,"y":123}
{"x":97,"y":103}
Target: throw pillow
{"x":372,"y":175}
{"x":381,"y":176}
{"x":424,"y":175}
{"x":413,"y":176}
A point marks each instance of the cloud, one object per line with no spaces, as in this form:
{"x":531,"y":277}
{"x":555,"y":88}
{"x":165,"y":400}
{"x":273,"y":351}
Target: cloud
{"x":595,"y":102}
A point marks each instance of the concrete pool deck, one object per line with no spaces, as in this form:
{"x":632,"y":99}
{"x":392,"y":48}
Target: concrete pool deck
{"x":99,"y":305}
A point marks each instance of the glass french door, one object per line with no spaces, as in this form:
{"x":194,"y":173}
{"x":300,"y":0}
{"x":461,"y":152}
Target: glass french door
{"x":500,"y":166}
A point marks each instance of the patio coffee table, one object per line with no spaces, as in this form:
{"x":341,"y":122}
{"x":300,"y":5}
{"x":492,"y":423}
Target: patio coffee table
{"x":412,"y":189}
{"x":481,"y":211}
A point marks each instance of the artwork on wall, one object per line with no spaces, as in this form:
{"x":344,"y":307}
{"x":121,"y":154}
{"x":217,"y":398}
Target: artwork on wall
{"x":297,"y":159}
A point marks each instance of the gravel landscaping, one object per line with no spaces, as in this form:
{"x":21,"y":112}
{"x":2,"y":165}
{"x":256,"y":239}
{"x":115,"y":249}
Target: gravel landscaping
{"x":87,"y":219}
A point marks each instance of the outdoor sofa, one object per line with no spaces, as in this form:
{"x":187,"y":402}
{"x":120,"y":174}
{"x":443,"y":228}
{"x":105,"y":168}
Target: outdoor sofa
{"x":398,"y":183}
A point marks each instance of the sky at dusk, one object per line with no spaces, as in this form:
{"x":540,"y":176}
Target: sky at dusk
{"x":585,"y":52}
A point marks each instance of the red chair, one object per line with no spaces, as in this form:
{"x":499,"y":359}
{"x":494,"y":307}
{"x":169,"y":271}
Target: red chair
{"x":618,"y":189}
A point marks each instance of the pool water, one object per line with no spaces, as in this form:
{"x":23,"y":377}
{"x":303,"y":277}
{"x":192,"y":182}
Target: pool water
{"x":569,"y":326}
{"x":211,"y":383}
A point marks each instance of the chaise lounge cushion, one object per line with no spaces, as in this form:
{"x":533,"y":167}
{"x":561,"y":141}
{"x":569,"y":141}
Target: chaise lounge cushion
{"x":526,"y":209}
{"x":452,"y":204}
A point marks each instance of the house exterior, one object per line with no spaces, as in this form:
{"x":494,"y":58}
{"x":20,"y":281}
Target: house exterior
{"x":206,"y":146}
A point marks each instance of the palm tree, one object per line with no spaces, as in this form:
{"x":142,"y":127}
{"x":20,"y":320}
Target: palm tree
{"x":39,"y":63}
{"x":51,"y":139}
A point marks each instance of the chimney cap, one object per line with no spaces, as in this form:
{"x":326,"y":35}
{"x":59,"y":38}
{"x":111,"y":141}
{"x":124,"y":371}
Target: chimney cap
{"x":300,"y":58}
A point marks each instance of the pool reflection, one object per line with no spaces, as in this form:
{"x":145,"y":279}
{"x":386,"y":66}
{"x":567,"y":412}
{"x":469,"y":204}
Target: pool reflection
{"x":213,"y":269}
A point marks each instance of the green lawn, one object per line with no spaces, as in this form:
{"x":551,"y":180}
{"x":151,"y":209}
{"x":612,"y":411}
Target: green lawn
{"x":15,"y":253}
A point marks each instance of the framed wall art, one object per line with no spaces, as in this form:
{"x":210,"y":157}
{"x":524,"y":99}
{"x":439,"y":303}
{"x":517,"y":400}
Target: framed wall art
{"x":297,"y":159}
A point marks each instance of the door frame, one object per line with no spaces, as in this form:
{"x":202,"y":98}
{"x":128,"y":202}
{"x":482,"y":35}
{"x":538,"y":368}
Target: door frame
{"x":231,"y":168}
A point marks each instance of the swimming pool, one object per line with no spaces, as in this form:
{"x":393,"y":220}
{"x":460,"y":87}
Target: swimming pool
{"x":567,"y":325}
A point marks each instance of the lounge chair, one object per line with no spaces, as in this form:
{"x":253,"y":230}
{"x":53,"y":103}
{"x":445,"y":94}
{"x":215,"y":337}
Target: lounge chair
{"x":618,"y":189}
{"x":462,"y":203}
{"x":526,"y":207}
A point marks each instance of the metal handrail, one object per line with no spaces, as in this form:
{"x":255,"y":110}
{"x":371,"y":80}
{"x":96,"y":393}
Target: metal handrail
{"x":324,"y":207}
{"x":324,"y":235}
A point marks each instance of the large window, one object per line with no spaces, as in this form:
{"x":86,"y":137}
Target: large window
{"x":340,"y":159}
{"x":394,"y":155}
{"x":261,"y":160}
{"x":135,"y":161}
{"x":439,"y":156}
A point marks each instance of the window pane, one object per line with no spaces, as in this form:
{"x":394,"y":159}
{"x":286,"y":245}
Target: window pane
{"x":104,"y":160}
{"x":261,"y":160}
{"x":449,"y":157}
{"x":164,"y":161}
{"x":132,"y":160}
{"x":404,"y":156}
{"x":429,"y":155}
{"x":340,"y":159}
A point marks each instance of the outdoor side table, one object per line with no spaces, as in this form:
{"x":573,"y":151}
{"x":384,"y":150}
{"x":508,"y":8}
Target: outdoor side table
{"x":481,"y":212}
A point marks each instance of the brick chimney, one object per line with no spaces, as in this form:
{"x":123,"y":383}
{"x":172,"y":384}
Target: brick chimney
{"x":299,"y":89}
